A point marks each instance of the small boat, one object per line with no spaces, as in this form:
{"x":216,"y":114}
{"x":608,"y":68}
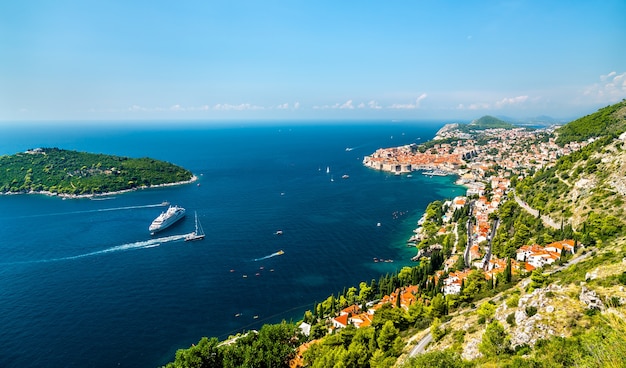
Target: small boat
{"x":280,"y":252}
{"x":327,"y":169}
{"x":198,"y":234}
{"x":345,"y":176}
{"x":278,"y":232}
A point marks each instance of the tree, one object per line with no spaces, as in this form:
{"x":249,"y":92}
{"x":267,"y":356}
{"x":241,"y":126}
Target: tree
{"x":366,"y":292}
{"x":438,"y":359}
{"x":387,"y":336}
{"x":537,"y":279}
{"x":204,"y":355}
{"x":486,"y":311}
{"x":495,"y":341}
{"x":436,"y":331}
{"x":508,"y":272}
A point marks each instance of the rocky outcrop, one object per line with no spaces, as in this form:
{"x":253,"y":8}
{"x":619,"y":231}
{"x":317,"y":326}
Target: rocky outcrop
{"x":590,"y":299}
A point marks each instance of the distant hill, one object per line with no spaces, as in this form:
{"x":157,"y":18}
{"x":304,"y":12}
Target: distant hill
{"x":489,"y":122}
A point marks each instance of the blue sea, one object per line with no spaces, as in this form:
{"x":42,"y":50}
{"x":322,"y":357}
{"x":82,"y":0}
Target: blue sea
{"x":84,"y":284}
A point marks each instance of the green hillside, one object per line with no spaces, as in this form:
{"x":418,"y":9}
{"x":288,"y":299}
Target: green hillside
{"x":489,"y":122}
{"x":66,"y":172}
{"x":608,"y":120}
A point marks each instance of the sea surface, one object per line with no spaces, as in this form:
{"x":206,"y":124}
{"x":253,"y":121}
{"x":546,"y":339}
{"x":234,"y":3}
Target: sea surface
{"x":84,"y":284}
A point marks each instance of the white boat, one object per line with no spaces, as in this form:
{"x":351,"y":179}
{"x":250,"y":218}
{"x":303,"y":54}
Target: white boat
{"x":327,"y":169}
{"x":198,"y":234}
{"x":167,"y":219}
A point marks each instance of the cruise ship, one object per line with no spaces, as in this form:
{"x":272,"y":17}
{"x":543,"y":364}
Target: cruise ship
{"x":167,"y":219}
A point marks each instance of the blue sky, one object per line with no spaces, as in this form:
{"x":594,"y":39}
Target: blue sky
{"x":176,"y":60}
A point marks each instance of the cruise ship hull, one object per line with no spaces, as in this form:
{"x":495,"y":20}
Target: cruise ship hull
{"x":167,"y":219}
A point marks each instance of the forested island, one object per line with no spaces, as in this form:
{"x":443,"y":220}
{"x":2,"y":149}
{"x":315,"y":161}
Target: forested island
{"x":71,"y":173}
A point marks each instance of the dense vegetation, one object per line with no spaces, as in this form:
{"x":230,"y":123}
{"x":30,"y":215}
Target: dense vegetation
{"x":489,"y":122}
{"x":272,"y":346}
{"x":78,"y":173}
{"x":611,"y":119}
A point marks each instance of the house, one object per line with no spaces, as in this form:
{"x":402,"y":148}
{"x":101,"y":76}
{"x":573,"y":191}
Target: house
{"x":305,"y":328}
{"x":459,"y":202}
{"x":452,"y":284}
{"x":340,"y":321}
{"x":525,"y":251}
{"x":354,"y":316}
{"x":542,"y":258}
{"x":560,"y":246}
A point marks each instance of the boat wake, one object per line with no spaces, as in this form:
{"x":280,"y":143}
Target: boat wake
{"x":280,"y":252}
{"x":152,"y":243}
{"x":97,"y":210}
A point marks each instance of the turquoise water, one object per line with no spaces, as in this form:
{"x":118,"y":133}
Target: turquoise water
{"x":82,"y":282}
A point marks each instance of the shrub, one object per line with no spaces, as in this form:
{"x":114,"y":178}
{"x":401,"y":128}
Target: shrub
{"x":512,"y":301}
{"x":510,"y":319}
{"x":531,"y":311}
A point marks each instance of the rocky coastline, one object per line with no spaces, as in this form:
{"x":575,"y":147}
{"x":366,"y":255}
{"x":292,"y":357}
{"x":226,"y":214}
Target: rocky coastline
{"x":103,"y":194}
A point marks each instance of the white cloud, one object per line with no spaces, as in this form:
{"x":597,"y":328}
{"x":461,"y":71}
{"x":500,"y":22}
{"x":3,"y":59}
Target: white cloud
{"x":511,"y":101}
{"x":240,"y":107}
{"x":473,"y":106}
{"x":374,"y":105}
{"x":611,"y":88}
{"x":479,"y":106}
{"x":410,"y":106}
{"x":177,"y":108}
{"x":137,"y":108}
{"x":347,"y":105}
{"x":344,"y":106}
{"x":604,"y":78}
{"x":296,"y":105}
{"x":284,"y":106}
{"x":505,"y":102}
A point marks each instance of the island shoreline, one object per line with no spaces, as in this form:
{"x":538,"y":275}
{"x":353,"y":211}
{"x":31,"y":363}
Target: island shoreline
{"x":93,"y":195}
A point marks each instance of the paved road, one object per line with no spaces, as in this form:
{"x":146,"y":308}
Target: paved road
{"x":547,"y":221}
{"x":421,"y":345}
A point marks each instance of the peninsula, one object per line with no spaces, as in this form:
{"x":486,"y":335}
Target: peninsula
{"x":67,"y":173}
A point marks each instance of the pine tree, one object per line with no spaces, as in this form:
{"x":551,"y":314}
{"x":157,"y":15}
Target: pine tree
{"x":508,"y":272}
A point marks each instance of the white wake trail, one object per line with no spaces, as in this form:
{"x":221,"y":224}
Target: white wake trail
{"x":152,"y":243}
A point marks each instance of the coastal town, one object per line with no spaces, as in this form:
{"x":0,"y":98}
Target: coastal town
{"x":484,"y":163}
